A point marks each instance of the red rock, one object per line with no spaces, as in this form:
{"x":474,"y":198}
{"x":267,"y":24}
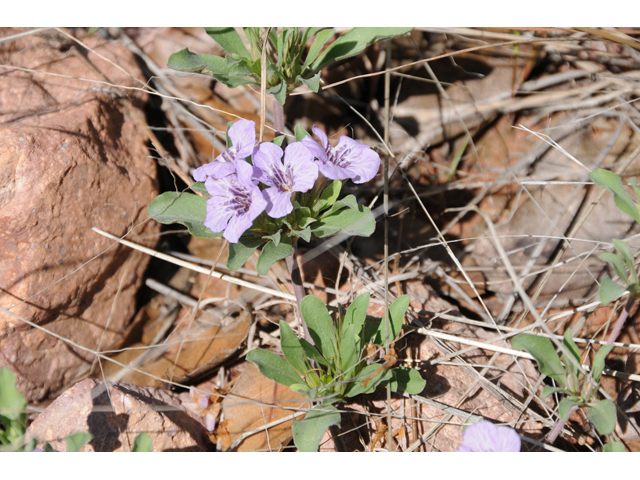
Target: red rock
{"x":117,"y":418}
{"x":72,"y":157}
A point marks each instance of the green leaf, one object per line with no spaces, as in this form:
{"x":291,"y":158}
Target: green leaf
{"x":598,"y":362}
{"x":357,"y":387}
{"x":614,"y":447}
{"x":12,"y":402}
{"x":199,"y":187}
{"x":240,"y":252}
{"x":396,"y":315}
{"x":549,"y":390}
{"x":603,"y":416}
{"x":625,"y":251}
{"x":313,"y":353}
{"x":279,"y":91}
{"x":13,"y":418}
{"x":565,"y":405}
{"x":304,"y":234}
{"x":185,"y":208}
{"x":613,"y":183}
{"x":358,"y":222}
{"x":618,"y":265}
{"x":292,"y":349}
{"x":78,"y":440}
{"x":573,"y":350}
{"x":610,"y":290}
{"x":542,"y":350}
{"x":278,"y":140}
{"x":350,"y":342}
{"x":274,"y":367}
{"x":407,"y":380}
{"x":349,"y":202}
{"x":212,"y":65}
{"x":319,"y":42}
{"x":308,"y":433}
{"x":313,"y":82}
{"x":320,"y":325}
{"x":300,"y":132}
{"x":354,"y":42}
{"x":228,"y":38}
{"x":142,"y":443}
{"x":328,"y":196}
{"x":272,"y":253}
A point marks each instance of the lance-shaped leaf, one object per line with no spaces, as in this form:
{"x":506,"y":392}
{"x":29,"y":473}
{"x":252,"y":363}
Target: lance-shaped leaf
{"x":613,"y":183}
{"x":271,"y":253}
{"x":407,"y":380}
{"x":228,"y":38}
{"x":354,"y":42}
{"x":274,"y":367}
{"x":358,"y":222}
{"x":308,"y":433}
{"x":598,"y":362}
{"x":625,"y":251}
{"x":396,"y":315}
{"x":603,"y":416}
{"x":565,"y":405}
{"x":320,"y":325}
{"x":292,"y":349}
{"x":240,"y":252}
{"x":185,"y":208}
{"x":610,"y":290}
{"x":212,"y":65}
{"x":542,"y":350}
{"x":350,"y":346}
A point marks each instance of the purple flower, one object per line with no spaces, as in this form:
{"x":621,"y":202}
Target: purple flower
{"x":486,"y":437}
{"x":243,"y":138}
{"x":350,"y":159}
{"x":298,"y":173}
{"x":235,"y":202}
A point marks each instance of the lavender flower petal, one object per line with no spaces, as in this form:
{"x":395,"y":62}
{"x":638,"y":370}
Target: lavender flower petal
{"x":348,"y":160}
{"x":235,"y":202}
{"x":487,"y":437}
{"x":243,"y":139}
{"x":298,"y":173}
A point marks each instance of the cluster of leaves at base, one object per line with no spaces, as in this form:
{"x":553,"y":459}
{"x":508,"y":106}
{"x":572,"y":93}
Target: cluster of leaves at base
{"x":577,"y":388}
{"x":287,"y":65}
{"x":610,"y":290}
{"x":336,"y":367}
{"x":317,"y":213}
{"x":13,"y":423}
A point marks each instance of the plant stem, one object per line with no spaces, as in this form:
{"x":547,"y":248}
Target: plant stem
{"x":557,"y":428}
{"x":621,"y":320}
{"x":278,"y":117}
{"x":298,"y":287}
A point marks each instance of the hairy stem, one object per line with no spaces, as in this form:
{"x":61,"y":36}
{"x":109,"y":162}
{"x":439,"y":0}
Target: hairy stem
{"x":278,"y":117}
{"x":557,"y":428}
{"x":621,"y":320}
{"x":298,"y":288}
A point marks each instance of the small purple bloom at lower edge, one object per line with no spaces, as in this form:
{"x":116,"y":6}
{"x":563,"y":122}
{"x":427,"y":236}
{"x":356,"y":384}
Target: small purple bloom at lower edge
{"x":348,"y":160}
{"x":298,"y":173}
{"x":236,"y":201}
{"x":243,"y":140}
{"x":487,"y":437}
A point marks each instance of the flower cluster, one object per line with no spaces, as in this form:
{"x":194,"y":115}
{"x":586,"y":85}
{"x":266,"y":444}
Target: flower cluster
{"x":240,"y":191}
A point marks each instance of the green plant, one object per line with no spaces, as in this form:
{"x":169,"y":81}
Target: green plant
{"x":288,"y":63}
{"x":579,"y":390}
{"x":337,"y":367}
